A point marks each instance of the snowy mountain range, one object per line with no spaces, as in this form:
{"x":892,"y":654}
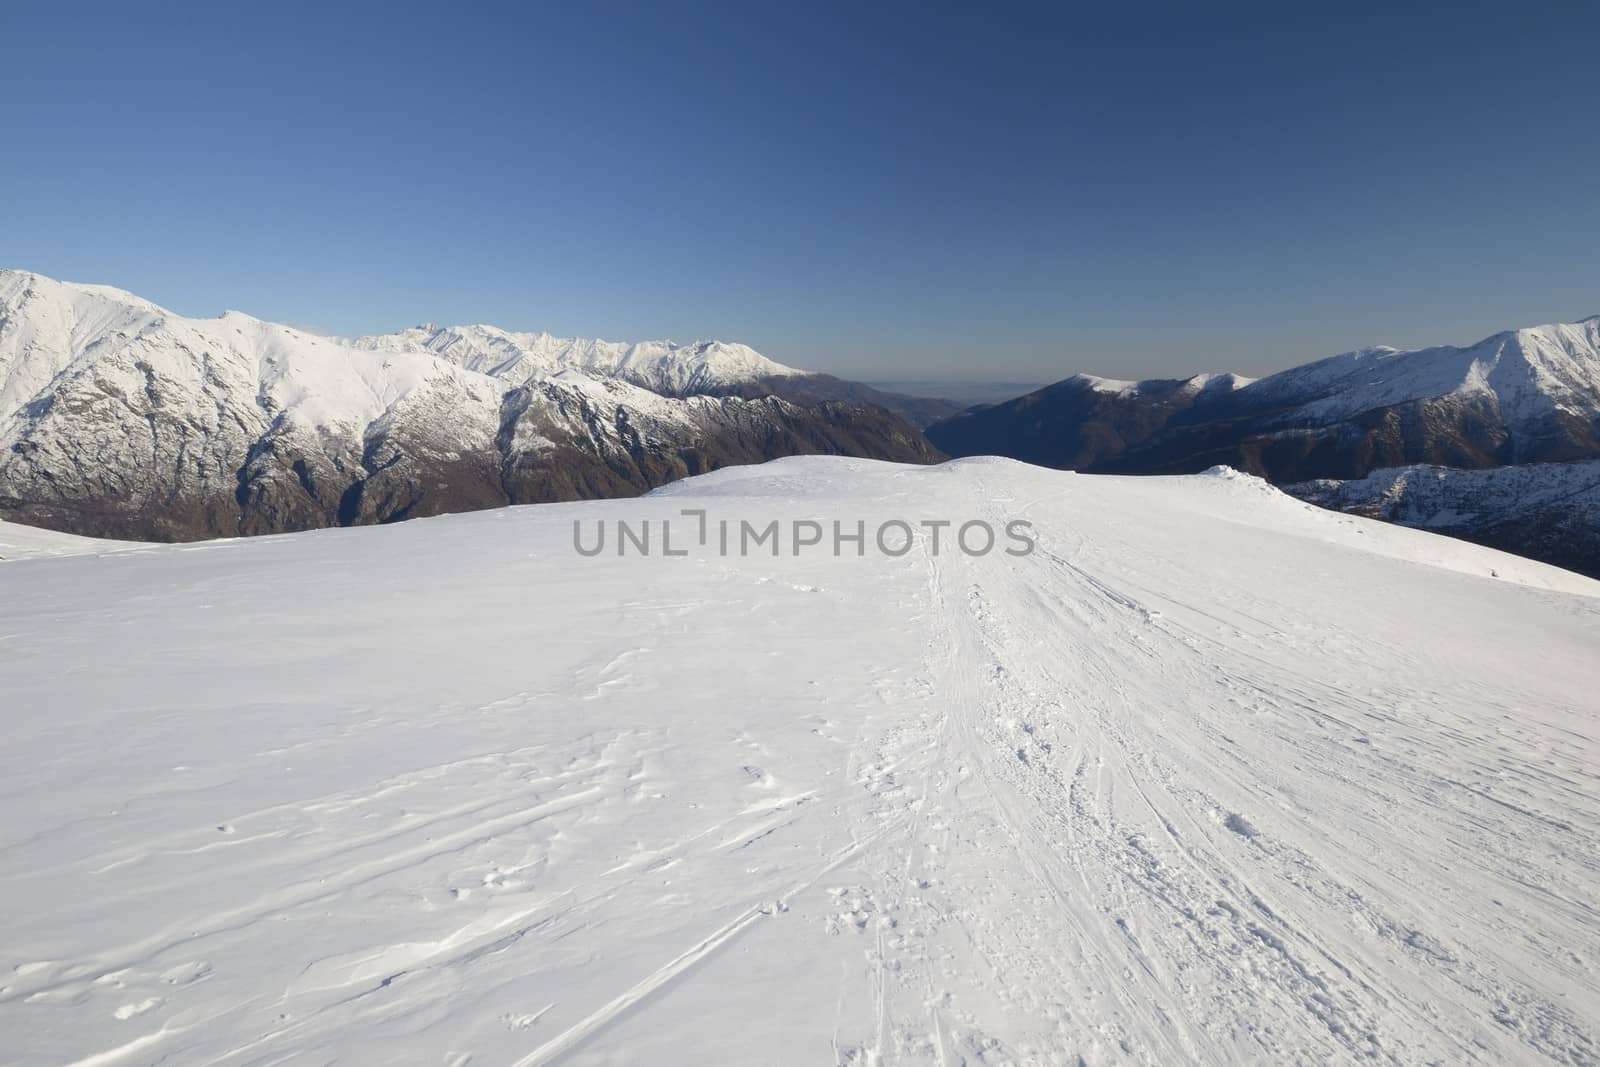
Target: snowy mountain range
{"x":1528,"y":396}
{"x":1212,"y":777}
{"x":120,"y":418}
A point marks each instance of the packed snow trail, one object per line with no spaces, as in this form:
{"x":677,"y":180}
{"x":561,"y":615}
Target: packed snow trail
{"x":1211,"y":776}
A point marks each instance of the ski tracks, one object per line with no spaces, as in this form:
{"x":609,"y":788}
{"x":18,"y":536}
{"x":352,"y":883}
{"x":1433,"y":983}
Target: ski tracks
{"x":1179,"y":929}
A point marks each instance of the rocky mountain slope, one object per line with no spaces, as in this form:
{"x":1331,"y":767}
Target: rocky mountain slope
{"x":1548,"y":511}
{"x":1520,"y":397}
{"x":119,"y":418}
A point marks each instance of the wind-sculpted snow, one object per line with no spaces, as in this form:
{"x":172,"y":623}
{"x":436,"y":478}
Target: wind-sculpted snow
{"x":1212,"y":776}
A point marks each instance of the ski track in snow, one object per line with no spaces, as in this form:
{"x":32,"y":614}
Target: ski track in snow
{"x":1211,"y":777}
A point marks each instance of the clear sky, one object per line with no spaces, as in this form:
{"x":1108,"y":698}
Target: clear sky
{"x":880,"y":190}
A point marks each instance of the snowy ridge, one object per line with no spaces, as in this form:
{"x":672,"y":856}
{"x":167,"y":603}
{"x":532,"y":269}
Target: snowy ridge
{"x":1212,"y":777}
{"x":1199,"y":383}
{"x":1106,"y":385}
{"x":1528,"y":373}
{"x":47,"y":327}
{"x":661,"y":366}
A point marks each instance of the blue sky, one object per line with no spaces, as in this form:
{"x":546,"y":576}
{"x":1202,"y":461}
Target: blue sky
{"x":881,"y":190}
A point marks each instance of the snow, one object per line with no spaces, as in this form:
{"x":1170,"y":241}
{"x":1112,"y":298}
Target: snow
{"x":1219,"y":383}
{"x":1430,"y":496}
{"x":613,"y":392}
{"x":35,"y":347}
{"x":51,"y":331}
{"x":80,"y":318}
{"x":520,"y":357}
{"x":1199,"y":383}
{"x":1527,"y":374}
{"x":1115,"y":386}
{"x":1213,"y":776}
{"x":26,"y":542}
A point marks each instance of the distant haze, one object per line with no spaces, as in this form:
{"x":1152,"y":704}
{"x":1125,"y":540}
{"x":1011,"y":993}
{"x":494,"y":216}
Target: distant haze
{"x":1011,"y":194}
{"x":962,"y":392}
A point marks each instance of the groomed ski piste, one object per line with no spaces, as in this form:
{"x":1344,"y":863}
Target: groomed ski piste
{"x":1211,"y":776}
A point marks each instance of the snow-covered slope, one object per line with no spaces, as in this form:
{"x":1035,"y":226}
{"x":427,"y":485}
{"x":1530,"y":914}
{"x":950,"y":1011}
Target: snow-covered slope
{"x":120,"y":418}
{"x":1212,"y":776}
{"x":661,"y":366}
{"x":29,"y":542}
